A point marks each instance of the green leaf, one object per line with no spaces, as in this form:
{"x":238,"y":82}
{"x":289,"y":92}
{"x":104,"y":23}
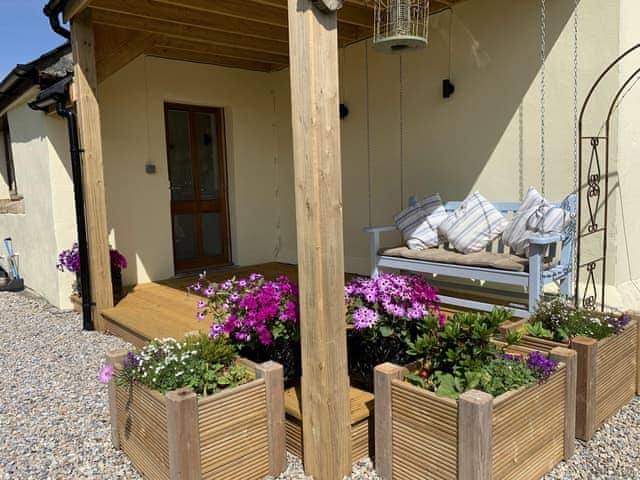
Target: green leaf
{"x":415,"y":379}
{"x":386,"y":331}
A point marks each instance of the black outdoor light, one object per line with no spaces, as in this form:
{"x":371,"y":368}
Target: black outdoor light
{"x":344,"y":111}
{"x":447,"y":88}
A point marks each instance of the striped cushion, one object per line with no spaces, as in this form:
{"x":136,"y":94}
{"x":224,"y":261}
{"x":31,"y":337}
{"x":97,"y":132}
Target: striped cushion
{"x":419,"y":223}
{"x":535,"y":216}
{"x":516,"y":235}
{"x":473,"y":224}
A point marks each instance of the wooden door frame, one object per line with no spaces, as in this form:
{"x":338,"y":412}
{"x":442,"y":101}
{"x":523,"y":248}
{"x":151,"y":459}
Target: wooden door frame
{"x":226,"y":257}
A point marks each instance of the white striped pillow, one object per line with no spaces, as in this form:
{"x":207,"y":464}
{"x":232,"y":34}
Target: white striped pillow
{"x":473,"y":224}
{"x":419,"y":223}
{"x":535,"y":216}
{"x":517,"y":234}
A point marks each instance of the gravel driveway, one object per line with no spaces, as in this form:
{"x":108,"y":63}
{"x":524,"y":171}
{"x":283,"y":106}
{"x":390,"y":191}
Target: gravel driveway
{"x":54,"y":422}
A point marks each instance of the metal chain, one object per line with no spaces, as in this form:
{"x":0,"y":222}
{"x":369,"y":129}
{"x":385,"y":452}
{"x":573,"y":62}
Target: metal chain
{"x":543,"y":57}
{"x":576,"y":140}
{"x":401,"y":136}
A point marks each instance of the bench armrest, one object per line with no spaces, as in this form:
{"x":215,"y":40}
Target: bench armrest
{"x":387,"y":228}
{"x":545,"y":239}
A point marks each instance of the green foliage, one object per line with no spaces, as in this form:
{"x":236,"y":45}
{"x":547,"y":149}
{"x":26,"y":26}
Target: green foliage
{"x":560,"y":320}
{"x":204,"y":364}
{"x":462,"y":345}
{"x":460,"y":356}
{"x":537,"y":330}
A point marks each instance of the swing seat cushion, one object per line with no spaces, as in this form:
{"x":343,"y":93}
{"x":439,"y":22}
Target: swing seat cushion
{"x":473,"y":225}
{"x":500,"y":261}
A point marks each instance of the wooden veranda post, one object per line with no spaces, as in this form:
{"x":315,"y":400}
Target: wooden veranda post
{"x":88,"y":112}
{"x":313,"y":50}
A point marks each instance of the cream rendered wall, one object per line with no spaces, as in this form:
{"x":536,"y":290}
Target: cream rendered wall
{"x":42,"y":167}
{"x":138,"y":204}
{"x":4,"y":185}
{"x":402,"y":138}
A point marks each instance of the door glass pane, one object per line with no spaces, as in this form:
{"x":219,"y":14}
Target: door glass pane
{"x":212,"y":234}
{"x":184,"y":236}
{"x":180,"y":166}
{"x":208,"y":148}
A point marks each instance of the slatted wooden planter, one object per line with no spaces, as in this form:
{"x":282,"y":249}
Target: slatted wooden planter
{"x":608,"y":373}
{"x":519,"y":435}
{"x":361,"y":403}
{"x":237,"y":434}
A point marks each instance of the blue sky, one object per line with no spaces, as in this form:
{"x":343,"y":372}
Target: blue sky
{"x":24,"y":33}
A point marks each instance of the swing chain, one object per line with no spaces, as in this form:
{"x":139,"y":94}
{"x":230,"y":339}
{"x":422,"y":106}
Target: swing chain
{"x":543,"y":57}
{"x":576,"y":140}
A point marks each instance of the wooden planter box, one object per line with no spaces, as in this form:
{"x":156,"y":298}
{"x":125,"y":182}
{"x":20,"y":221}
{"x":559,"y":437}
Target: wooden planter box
{"x":237,"y":434}
{"x":608,"y":373}
{"x":361,"y":403}
{"x":519,"y":435}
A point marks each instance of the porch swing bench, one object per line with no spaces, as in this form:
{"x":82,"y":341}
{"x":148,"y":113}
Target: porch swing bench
{"x":549,"y":260}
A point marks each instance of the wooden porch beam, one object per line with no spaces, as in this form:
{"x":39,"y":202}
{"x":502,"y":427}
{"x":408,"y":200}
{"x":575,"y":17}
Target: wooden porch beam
{"x":73,"y":8}
{"x":228,"y":51}
{"x":351,"y":12}
{"x":202,"y":57}
{"x":188,"y":32}
{"x":313,"y":40}
{"x":88,"y":112}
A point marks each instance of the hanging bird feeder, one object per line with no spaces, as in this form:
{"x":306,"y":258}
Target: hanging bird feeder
{"x":401,"y":25}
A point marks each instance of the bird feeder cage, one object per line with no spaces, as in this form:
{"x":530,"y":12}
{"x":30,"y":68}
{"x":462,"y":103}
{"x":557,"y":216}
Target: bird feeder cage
{"x":401,"y":25}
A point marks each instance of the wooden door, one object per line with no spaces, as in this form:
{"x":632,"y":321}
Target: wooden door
{"x":198,"y":182}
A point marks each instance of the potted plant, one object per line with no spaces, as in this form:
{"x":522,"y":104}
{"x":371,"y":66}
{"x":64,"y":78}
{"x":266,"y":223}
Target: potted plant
{"x":608,"y":352}
{"x":69,"y":260}
{"x":472,"y":409}
{"x":383,"y":314}
{"x":260,"y":317}
{"x":192,"y":410}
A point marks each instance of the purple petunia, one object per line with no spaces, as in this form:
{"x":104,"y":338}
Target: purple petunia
{"x":541,"y":365}
{"x":364,"y":317}
{"x":393,"y":298}
{"x":69,"y":260}
{"x":253,"y":310}
{"x":106,"y":374}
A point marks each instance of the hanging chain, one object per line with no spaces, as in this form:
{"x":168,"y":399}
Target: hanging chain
{"x":366,"y":81}
{"x":576,"y":143}
{"x":401,"y":136}
{"x":576,"y":140}
{"x":543,"y":57}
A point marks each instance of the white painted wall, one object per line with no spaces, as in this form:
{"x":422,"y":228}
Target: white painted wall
{"x":43,"y":174}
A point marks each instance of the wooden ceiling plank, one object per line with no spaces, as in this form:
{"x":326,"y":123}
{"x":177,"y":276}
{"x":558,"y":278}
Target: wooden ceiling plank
{"x":197,"y":18}
{"x":359,"y":13}
{"x":219,"y":60}
{"x":137,"y":44}
{"x":188,"y":32}
{"x":224,"y":50}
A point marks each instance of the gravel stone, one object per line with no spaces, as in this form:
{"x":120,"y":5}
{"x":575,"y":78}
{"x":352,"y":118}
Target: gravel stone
{"x":54,"y":421}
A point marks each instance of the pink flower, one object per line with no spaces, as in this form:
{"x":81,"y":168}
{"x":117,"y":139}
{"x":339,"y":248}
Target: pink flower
{"x":201,"y":316}
{"x":106,"y":374}
{"x":202,"y":304}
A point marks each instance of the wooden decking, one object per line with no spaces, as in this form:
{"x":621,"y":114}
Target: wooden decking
{"x":165,"y":309}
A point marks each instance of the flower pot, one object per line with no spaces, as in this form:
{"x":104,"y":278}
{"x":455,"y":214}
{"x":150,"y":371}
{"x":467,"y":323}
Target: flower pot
{"x":608,"y":373}
{"x":237,"y":434}
{"x":286,"y":353}
{"x":116,"y":284}
{"x":520,"y":434}
{"x":365,"y":354}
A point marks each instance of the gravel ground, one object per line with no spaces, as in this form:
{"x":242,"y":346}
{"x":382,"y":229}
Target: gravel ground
{"x":54,"y":422}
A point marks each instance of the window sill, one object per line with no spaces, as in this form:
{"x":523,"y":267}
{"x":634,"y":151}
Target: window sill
{"x":11,"y":206}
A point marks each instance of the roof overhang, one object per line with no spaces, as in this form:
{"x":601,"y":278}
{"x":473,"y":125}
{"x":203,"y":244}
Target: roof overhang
{"x":249,"y":34}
